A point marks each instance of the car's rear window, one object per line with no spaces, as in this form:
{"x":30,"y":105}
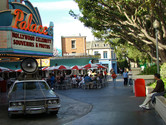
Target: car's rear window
{"x":30,"y":86}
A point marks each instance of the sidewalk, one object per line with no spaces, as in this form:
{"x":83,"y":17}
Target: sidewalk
{"x":113,"y":106}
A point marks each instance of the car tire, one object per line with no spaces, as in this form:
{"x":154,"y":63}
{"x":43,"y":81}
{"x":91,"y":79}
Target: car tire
{"x":11,"y":115}
{"x":54,"y":112}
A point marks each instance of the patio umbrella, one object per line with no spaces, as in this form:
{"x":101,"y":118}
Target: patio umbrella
{"x":45,"y":68}
{"x":101,"y":67}
{"x":76,"y":67}
{"x":61,"y":67}
{"x":18,"y":70}
{"x":90,"y":66}
{"x":4,"y":69}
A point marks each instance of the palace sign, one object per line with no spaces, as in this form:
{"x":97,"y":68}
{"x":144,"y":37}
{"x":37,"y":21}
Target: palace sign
{"x":19,"y":22}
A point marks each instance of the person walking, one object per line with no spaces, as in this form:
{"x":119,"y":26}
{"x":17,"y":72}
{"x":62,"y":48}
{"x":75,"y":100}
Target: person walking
{"x":114,"y":78}
{"x":158,"y":91}
{"x":125,"y":77}
{"x":130,"y":77}
{"x":105,"y":74}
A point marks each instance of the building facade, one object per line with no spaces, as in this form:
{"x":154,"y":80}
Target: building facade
{"x":105,"y":51}
{"x":73,"y":45}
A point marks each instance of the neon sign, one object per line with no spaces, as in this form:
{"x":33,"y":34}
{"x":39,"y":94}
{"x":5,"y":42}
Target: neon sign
{"x":18,"y":22}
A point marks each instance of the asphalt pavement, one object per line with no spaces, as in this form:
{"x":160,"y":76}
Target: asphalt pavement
{"x":70,"y":110}
{"x":113,"y":106}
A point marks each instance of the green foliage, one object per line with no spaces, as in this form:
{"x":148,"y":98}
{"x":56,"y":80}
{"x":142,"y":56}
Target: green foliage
{"x":129,"y":20}
{"x":122,"y":64}
{"x":149,"y":70}
{"x":131,"y":52}
{"x":163,"y":71}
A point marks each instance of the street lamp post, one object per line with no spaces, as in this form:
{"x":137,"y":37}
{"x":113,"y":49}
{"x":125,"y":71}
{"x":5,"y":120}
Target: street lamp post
{"x":156,"y":26}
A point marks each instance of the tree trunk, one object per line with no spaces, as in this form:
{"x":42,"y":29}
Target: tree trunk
{"x":162,"y":56}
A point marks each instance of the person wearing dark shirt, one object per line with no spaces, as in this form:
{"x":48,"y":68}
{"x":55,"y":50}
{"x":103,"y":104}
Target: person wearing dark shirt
{"x":158,"y":91}
{"x":87,"y":78}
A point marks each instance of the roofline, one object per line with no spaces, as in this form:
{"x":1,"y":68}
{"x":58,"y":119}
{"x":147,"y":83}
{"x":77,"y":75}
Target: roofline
{"x":72,"y":36}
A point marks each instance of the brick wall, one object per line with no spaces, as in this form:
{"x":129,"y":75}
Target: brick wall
{"x":67,"y":45}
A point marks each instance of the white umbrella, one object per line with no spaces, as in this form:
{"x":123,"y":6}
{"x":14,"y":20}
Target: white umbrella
{"x":45,"y":68}
{"x":4,"y":69}
{"x":61,"y":67}
{"x":76,"y":67}
{"x":90,"y":66}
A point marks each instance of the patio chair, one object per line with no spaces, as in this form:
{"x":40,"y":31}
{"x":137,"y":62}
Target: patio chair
{"x":57,"y":86}
{"x":85,"y":86}
{"x":98,"y":84}
{"x":103,"y":83}
{"x":63,"y":86}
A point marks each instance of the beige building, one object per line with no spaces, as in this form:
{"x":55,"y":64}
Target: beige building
{"x":73,"y":45}
{"x":106,"y":52}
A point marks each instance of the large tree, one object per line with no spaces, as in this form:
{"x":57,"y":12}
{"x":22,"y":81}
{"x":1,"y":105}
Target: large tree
{"x":130,"y":20}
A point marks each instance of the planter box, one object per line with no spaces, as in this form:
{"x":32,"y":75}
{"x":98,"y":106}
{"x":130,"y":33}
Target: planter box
{"x":160,"y":107}
{"x":148,"y":78}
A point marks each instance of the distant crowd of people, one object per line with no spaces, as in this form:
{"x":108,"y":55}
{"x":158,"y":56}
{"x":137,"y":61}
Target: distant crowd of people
{"x":77,"y":80}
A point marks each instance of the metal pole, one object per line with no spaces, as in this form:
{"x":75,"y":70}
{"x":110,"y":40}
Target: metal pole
{"x":157,"y":53}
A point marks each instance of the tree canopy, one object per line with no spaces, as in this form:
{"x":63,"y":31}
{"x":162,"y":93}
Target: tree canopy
{"x":129,"y":20}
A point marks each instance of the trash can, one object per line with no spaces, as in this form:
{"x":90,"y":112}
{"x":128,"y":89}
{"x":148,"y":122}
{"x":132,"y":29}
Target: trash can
{"x":140,"y":90}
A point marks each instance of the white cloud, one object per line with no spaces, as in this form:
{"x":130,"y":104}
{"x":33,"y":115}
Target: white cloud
{"x":70,"y":29}
{"x":59,"y":5}
{"x":67,"y":26}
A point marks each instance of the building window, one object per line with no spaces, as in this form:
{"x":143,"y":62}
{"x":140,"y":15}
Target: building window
{"x":96,"y":45}
{"x":96,"y":52}
{"x":105,"y":54}
{"x":73,"y":44}
{"x":105,"y":45}
{"x":113,"y":55}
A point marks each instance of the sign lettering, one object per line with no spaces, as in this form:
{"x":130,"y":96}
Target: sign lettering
{"x":35,"y":42}
{"x":18,"y":22}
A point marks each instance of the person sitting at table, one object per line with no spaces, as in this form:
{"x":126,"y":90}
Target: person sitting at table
{"x":78,"y":78}
{"x":93,"y":73}
{"x":82,"y":81}
{"x":87,"y":78}
{"x":94,"y":79}
{"x":74,"y":81}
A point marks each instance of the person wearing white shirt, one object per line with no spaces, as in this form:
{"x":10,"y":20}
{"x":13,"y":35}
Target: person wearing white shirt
{"x":82,"y":81}
{"x":130,"y":78}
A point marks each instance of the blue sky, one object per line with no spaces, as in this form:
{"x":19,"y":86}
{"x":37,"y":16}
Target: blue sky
{"x":57,"y":11}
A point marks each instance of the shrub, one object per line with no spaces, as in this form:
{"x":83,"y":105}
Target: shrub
{"x":149,"y":70}
{"x":163,"y":71}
